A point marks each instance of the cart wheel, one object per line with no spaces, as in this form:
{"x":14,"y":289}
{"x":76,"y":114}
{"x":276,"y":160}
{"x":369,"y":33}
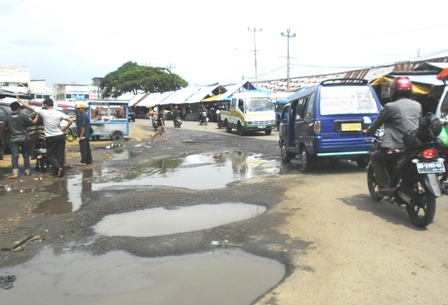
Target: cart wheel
{"x":117,"y":135}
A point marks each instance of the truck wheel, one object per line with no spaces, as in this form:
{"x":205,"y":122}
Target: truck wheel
{"x":268,"y":131}
{"x":228,"y":129}
{"x":240,"y":129}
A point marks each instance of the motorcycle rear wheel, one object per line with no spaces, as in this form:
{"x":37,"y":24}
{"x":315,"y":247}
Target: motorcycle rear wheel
{"x":422,"y":208}
{"x":373,"y":186}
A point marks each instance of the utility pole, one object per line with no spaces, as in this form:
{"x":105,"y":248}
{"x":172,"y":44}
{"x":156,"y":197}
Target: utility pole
{"x":255,"y":53}
{"x":288,"y":36}
{"x":170,"y":68}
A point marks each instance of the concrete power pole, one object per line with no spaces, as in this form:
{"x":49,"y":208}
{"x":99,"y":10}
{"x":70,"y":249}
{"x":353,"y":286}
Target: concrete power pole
{"x":288,"y":36}
{"x":255,"y":54}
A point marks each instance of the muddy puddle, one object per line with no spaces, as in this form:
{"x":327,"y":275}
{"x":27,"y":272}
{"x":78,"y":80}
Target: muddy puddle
{"x":209,"y":171}
{"x":160,"y":221}
{"x":218,"y":277}
{"x":202,"y":171}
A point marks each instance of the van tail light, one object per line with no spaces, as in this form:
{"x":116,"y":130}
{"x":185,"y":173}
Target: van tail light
{"x":317,"y":127}
{"x":430,"y":153}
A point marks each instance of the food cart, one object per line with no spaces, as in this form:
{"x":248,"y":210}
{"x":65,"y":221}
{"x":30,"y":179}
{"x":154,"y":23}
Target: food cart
{"x":109,"y":118}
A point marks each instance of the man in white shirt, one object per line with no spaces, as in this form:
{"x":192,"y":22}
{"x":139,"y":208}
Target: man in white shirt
{"x":54,"y":134}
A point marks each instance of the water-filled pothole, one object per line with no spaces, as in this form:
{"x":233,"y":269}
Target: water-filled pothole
{"x":69,"y":193}
{"x":204,"y":171}
{"x":159,"y":221}
{"x":220,"y":277}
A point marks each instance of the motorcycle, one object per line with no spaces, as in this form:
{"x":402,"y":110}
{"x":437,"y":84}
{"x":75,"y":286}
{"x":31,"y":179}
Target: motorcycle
{"x":177,"y":122}
{"x":203,"y":119}
{"x":414,"y":182}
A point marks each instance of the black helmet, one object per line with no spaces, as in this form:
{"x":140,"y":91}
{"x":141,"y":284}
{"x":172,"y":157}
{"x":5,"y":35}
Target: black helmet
{"x":400,"y":87}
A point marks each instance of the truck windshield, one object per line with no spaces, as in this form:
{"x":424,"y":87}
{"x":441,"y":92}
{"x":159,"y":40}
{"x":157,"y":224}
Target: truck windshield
{"x":259,"y":104}
{"x":347,"y":100}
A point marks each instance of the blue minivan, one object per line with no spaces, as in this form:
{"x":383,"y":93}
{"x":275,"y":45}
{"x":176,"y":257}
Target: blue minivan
{"x":326,"y":121}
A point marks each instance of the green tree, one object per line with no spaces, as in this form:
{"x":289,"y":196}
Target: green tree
{"x":131,"y":77}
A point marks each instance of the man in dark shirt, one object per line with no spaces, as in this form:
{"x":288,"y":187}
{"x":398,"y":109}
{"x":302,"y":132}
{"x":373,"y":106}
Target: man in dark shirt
{"x":17,"y":124}
{"x":83,"y":132}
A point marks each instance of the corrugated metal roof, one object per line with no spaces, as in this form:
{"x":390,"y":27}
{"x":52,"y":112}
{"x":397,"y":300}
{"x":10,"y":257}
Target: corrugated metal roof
{"x":181,"y":95}
{"x":205,"y":92}
{"x":137,"y":99}
{"x":148,"y":99}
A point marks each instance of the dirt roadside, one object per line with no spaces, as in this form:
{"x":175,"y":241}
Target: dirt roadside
{"x":339,"y":246}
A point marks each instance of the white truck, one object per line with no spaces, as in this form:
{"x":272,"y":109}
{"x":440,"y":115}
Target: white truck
{"x":249,"y":111}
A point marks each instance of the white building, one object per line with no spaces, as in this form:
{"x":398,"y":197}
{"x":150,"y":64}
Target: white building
{"x":75,"y":92}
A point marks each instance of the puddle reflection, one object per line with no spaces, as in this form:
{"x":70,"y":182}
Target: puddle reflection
{"x":205,"y":171}
{"x":220,"y":277}
{"x":159,"y":221}
{"x":70,"y":194}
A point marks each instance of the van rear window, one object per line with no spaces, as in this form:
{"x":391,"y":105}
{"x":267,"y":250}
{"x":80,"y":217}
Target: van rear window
{"x":347,"y":100}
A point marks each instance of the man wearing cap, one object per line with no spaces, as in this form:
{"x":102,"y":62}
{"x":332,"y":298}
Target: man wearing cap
{"x":17,"y":124}
{"x":83,"y":132}
{"x":54,"y":133}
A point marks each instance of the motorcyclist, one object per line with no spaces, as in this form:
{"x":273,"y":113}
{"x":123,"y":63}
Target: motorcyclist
{"x":176,"y":114}
{"x":201,"y":110}
{"x":399,"y":116}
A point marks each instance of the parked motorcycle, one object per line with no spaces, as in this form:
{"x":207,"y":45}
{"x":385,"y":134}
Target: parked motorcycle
{"x":414,"y":179}
{"x":203,"y":119}
{"x":177,"y":122}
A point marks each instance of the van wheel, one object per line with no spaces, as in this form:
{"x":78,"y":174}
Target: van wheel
{"x":268,"y":131}
{"x":308,"y":161}
{"x":363,"y":161}
{"x":228,"y":129}
{"x":286,"y":155}
{"x":240,"y":129}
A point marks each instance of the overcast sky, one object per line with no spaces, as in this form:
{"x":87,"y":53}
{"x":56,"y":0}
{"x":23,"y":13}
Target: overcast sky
{"x":206,"y":42}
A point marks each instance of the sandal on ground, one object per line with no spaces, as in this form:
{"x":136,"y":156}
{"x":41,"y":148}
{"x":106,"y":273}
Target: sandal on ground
{"x":81,"y":164}
{"x":13,"y":177}
{"x":68,"y":166}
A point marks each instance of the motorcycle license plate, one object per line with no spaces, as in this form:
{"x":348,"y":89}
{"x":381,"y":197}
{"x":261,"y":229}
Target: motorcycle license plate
{"x":430,"y":167}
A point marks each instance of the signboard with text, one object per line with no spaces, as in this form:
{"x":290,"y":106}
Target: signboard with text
{"x":15,"y":74}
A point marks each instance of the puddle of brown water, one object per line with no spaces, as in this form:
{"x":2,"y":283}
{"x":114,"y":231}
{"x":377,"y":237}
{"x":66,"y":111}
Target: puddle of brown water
{"x":70,"y":193}
{"x":204,"y":171}
{"x":159,"y":221}
{"x":224,"y":277}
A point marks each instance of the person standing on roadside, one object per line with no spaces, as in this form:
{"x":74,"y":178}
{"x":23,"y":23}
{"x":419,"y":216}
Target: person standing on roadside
{"x":17,"y":124}
{"x":161,"y":124}
{"x":83,"y":133}
{"x":54,"y":134}
{"x":176,"y":113}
